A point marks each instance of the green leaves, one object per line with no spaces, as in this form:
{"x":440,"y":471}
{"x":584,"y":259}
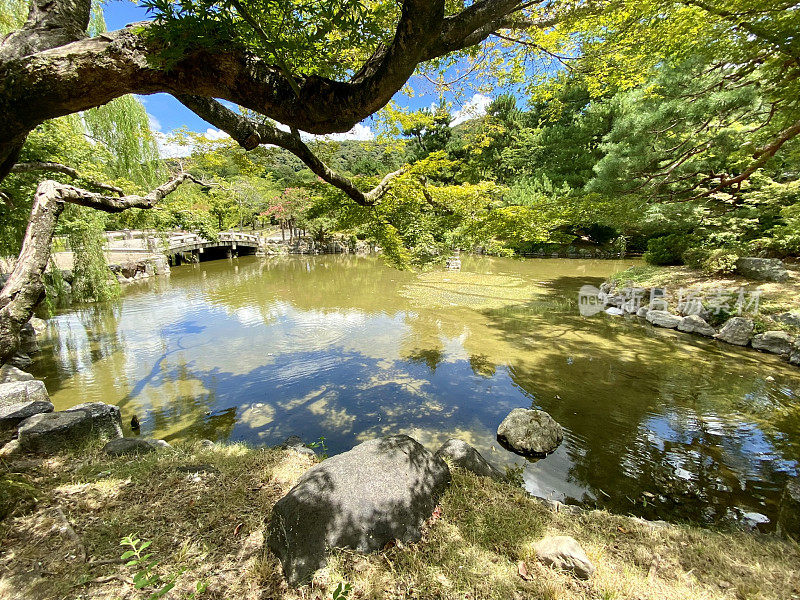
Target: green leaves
{"x":145,"y":574}
{"x":302,"y":36}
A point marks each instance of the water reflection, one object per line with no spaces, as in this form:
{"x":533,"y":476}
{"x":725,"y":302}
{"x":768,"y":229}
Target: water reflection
{"x":657,"y":423}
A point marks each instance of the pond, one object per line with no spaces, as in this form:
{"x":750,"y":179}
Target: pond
{"x":657,"y":423}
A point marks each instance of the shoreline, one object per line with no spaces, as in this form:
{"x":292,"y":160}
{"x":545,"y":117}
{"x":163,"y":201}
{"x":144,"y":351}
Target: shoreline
{"x":759,"y":315}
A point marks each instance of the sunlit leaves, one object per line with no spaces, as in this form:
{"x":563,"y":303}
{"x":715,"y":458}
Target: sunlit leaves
{"x":329,"y":38}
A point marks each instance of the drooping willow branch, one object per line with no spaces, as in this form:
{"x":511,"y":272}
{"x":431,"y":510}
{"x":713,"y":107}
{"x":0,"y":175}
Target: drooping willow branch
{"x":25,"y":286}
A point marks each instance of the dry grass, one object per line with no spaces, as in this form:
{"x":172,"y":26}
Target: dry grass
{"x":209,"y":527}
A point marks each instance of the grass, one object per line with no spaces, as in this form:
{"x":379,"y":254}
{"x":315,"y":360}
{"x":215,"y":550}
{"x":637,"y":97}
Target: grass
{"x":208,"y":528}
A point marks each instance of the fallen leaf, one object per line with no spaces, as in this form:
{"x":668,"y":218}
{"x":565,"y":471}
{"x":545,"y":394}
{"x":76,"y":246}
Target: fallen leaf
{"x":237,"y":529}
{"x":523,"y":571}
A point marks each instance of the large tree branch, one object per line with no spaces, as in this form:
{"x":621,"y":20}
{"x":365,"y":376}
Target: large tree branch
{"x":760,"y":156}
{"x":27,"y":167}
{"x":25,"y":286}
{"x":86,"y":73}
{"x":50,"y":23}
{"x":250,"y":134}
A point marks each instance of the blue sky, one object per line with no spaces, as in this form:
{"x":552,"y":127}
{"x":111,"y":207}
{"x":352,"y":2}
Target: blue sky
{"x":167,"y":114}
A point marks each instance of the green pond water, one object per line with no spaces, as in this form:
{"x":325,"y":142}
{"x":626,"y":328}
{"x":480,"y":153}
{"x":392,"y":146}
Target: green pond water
{"x":657,"y":423}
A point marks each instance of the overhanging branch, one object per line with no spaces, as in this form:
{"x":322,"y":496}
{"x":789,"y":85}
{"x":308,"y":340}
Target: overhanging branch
{"x":250,"y":134}
{"x":27,"y":167}
{"x":25,"y":286}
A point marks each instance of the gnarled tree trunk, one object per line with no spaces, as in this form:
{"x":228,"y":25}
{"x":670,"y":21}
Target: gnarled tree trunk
{"x":25,"y":287}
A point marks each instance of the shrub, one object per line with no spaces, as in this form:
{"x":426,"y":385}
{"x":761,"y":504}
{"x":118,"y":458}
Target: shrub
{"x":712,"y":262}
{"x":666,"y":250}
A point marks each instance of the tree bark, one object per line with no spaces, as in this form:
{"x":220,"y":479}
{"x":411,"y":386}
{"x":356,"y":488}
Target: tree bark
{"x":25,"y":287}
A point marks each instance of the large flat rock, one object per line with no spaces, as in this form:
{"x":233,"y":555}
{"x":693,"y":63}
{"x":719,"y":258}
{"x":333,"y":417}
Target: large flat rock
{"x":762,"y":269}
{"x":106,"y":419}
{"x":11,"y":374}
{"x":776,"y":342}
{"x":20,"y":400}
{"x":382,"y":490}
{"x":53,"y":432}
{"x":662,"y":318}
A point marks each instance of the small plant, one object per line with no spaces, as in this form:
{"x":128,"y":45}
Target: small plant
{"x":514,"y":475}
{"x":320,"y":443}
{"x":145,"y":574}
{"x":342,"y":591}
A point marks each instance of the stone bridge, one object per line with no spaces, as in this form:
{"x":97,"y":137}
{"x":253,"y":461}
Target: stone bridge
{"x":182,"y":246}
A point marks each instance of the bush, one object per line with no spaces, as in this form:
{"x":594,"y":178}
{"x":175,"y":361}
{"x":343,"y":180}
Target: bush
{"x":712,"y":262}
{"x":666,"y":250}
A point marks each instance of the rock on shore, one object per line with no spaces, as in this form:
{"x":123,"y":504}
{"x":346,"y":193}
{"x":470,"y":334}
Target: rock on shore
{"x":380,"y":491}
{"x":464,"y":456}
{"x":737,"y":331}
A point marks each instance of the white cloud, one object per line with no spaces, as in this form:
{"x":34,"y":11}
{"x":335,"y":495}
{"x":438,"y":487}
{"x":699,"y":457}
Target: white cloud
{"x":360,"y":132}
{"x":475,"y":107}
{"x":171,"y":149}
{"x":155,"y":124}
{"x":215,"y":134}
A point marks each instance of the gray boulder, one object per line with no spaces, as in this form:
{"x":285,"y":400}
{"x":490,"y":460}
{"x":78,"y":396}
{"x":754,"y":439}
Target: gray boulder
{"x":20,"y":400}
{"x":737,"y":330}
{"x":790,"y":318}
{"x":28,"y":344}
{"x":564,"y":552}
{"x":794,"y":356}
{"x":642,"y":312}
{"x":531,"y":433}
{"x":122,"y":446}
{"x":661,"y":318}
{"x":106,"y":419}
{"x":614,"y":311}
{"x":50,"y":433}
{"x":776,"y":342}
{"x":39,"y":325}
{"x":10,"y":374}
{"x":762,"y":269}
{"x":464,"y":456}
{"x":696,"y":324}
{"x":20,"y":360}
{"x":382,"y":490}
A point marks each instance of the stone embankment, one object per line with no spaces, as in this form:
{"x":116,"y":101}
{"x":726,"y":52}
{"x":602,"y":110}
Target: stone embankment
{"x":694,"y":318}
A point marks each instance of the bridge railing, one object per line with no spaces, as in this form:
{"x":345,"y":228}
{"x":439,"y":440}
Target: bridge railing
{"x":165,"y":241}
